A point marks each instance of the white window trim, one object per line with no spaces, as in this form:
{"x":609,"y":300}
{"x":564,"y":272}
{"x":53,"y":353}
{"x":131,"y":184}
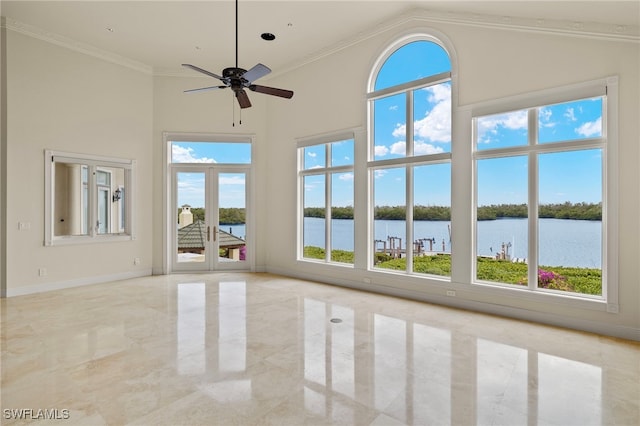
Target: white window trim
{"x":409,"y":160}
{"x":93,"y":161}
{"x":325,"y":139}
{"x":167,"y":225}
{"x":607,"y":86}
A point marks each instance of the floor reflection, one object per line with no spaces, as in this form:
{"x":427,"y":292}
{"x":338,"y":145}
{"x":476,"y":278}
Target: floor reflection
{"x":261,"y":349}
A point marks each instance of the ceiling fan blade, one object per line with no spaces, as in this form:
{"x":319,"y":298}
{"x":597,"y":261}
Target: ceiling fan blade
{"x":243,"y":99}
{"x":204,"y":89}
{"x":209,"y":73}
{"x":283,"y":93}
{"x":256,"y":72}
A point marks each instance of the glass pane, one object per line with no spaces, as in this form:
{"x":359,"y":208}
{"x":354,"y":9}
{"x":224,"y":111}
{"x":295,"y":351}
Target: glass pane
{"x":342,"y":233}
{"x":502,"y":130}
{"x":390,"y":218}
{"x":432,"y":219}
{"x":104,"y":222}
{"x":314,"y":227}
{"x":232,"y":246}
{"x":192,"y":230}
{"x":342,"y":153}
{"x":501,"y":228}
{"x":390,"y":120}
{"x":211,"y":152}
{"x":70,"y":200}
{"x":413,"y":61}
{"x":122,"y":211}
{"x":103,"y":177}
{"x":570,"y":221}
{"x":315,"y":157}
{"x":432,"y":119}
{"x":85,"y":200}
{"x":570,"y":121}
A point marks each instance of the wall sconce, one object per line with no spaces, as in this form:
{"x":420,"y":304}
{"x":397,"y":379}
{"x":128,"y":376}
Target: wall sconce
{"x":117,"y":194}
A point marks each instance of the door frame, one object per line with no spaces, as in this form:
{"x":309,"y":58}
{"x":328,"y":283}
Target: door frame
{"x":168,"y":197}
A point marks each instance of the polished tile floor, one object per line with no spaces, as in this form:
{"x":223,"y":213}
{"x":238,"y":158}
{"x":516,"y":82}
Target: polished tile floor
{"x":258,"y":349}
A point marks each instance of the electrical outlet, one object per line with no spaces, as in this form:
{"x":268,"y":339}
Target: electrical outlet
{"x":42,"y":272}
{"x":24,"y":226}
{"x":136,"y":261}
{"x":451,"y":293}
{"x":367,"y":280}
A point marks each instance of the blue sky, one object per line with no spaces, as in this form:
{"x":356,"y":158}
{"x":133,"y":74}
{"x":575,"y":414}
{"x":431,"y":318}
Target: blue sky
{"x":574,"y":176}
{"x":191,"y":185}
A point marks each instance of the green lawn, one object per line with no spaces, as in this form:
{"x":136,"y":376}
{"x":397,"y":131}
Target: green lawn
{"x":578,"y":280}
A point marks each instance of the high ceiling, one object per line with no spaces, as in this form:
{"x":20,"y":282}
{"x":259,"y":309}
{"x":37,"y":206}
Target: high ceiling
{"x":164,"y":34}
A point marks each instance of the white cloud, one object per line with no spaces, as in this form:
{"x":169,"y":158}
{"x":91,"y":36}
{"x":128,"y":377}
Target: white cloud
{"x":312,"y":154}
{"x":422,"y":148}
{"x":181,"y":154}
{"x":232,"y":180}
{"x":400,"y":131}
{"x":393,"y":108}
{"x":346,"y":176}
{"x":380,"y":150}
{"x":489,"y":125}
{"x":436,"y":124}
{"x":380,"y":173}
{"x":399,"y":148}
{"x":569,"y":113}
{"x":590,"y":128}
{"x":544,"y":115}
{"x":419,"y":148}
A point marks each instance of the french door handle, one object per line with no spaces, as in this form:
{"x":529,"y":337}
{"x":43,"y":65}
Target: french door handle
{"x":215,"y":232}
{"x":208,"y":233}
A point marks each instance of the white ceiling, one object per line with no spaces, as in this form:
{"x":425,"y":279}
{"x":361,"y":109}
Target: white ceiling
{"x":164,"y":34}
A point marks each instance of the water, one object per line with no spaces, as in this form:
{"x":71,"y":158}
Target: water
{"x":562,"y":242}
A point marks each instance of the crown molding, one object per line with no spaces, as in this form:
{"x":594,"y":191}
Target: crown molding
{"x":415,"y":16}
{"x":421,"y":16}
{"x":84,"y":48}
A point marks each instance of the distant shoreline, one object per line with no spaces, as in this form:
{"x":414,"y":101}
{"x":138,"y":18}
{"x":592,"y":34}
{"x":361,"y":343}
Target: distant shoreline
{"x":570,"y":211}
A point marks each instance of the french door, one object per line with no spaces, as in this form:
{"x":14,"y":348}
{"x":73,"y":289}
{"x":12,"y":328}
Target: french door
{"x":210,"y":217}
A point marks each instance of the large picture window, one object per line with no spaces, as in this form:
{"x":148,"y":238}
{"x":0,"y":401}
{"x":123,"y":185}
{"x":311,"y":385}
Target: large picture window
{"x":540,"y":174}
{"x":410,"y":161}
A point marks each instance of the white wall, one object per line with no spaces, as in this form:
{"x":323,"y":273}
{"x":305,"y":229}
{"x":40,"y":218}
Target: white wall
{"x":63,"y":100}
{"x":493,"y":63}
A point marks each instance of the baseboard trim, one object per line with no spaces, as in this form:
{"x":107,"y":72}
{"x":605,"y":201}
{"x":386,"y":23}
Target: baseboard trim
{"x":612,"y":330}
{"x":41,"y":288}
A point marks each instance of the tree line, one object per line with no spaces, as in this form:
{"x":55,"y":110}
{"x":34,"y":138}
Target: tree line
{"x":576,"y":211}
{"x":228,"y":215}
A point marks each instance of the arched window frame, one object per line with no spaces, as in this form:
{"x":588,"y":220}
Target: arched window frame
{"x":410,"y":160}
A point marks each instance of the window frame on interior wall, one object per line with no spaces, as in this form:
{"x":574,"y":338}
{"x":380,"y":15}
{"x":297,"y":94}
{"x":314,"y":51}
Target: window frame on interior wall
{"x":410,"y":160}
{"x":88,"y":197}
{"x":607,"y":89}
{"x":326,"y":172}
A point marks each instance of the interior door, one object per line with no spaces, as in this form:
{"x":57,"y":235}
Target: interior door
{"x":210,"y":207}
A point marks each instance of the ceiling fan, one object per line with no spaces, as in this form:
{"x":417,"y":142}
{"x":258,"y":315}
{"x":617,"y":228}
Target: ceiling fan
{"x":239,"y":79}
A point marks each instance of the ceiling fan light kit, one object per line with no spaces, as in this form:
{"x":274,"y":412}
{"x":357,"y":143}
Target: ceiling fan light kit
{"x":239,"y":79}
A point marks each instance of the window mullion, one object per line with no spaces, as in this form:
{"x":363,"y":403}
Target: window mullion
{"x":327,"y":202}
{"x":92,"y":195}
{"x":409,"y":124}
{"x":533,"y":201}
{"x":409,"y":218}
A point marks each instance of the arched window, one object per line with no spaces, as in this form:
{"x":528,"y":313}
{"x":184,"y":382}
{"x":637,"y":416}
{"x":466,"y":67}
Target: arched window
{"x":409,"y":106}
